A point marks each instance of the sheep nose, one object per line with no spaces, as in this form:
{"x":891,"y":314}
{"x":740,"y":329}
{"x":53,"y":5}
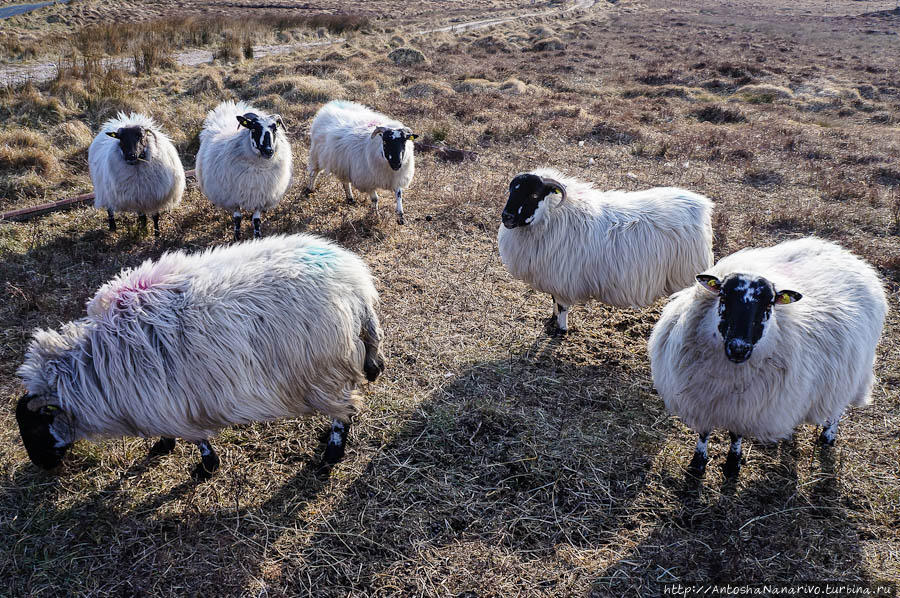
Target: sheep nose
{"x":509,"y":221}
{"x":738,"y":350}
{"x":266,"y":151}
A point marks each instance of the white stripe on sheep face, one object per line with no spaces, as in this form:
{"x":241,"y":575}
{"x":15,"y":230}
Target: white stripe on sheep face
{"x":263,"y":132}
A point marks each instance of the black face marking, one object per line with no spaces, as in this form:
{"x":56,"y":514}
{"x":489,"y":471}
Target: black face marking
{"x":525,"y":193}
{"x":133,"y":143}
{"x":263,"y":135}
{"x":394,"y":146}
{"x":745,"y":306}
{"x":34,"y":427}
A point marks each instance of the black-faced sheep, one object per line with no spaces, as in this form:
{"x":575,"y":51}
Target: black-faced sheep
{"x":362,"y":148}
{"x":189,"y":344}
{"x":244,"y":161}
{"x":134,"y":168}
{"x":770,"y":338}
{"x":565,"y":238}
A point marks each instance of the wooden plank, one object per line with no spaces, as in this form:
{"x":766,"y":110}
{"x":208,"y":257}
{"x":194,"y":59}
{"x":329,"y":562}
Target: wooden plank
{"x":24,"y":214}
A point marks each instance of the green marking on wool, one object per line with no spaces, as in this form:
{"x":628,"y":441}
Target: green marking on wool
{"x":321,"y":257}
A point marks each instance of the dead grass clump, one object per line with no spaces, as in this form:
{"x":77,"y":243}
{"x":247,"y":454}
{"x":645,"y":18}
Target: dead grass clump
{"x":304,"y":89}
{"x":475,"y":86}
{"x":548,"y":44}
{"x":407,"y":56}
{"x":718,"y":115}
{"x":151,"y":54}
{"x":230,"y":49}
{"x":763,"y":94}
{"x":31,"y":107}
{"x":491,"y":44}
{"x":72,"y":135}
{"x":15,"y":160}
{"x":513,"y":86}
{"x":427,"y":89}
{"x":605,"y":133}
{"x":69,"y":90}
{"x":210,"y":82}
{"x":21,"y":138}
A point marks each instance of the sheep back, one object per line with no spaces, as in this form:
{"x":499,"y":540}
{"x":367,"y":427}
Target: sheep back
{"x":341,"y":143}
{"x":155,"y":185}
{"x":625,"y":249}
{"x":188,"y":344}
{"x":815,"y":359}
{"x":230,"y":173}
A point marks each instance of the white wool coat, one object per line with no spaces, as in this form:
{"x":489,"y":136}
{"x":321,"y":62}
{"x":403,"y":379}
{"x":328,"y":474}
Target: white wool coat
{"x":148,"y":187}
{"x":624,"y":249}
{"x":191,"y":343}
{"x":230,"y":173}
{"x":341,"y":143}
{"x":815,"y":358}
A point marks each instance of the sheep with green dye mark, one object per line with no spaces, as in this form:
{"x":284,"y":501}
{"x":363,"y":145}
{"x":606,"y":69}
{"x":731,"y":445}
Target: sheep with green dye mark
{"x":191,"y":343}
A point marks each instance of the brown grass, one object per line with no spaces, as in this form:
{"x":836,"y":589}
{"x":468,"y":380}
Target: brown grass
{"x":491,"y":459}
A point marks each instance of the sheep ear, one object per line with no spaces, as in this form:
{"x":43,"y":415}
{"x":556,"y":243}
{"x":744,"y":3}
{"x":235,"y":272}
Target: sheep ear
{"x":278,"y":120}
{"x":784,"y":297}
{"x":243,"y":122}
{"x":113,"y":134}
{"x":412,"y":136}
{"x":555,"y":186}
{"x":378,"y":131}
{"x":709,"y":282}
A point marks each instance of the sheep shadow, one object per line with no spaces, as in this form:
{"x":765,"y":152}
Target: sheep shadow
{"x":768,"y":525}
{"x":506,"y":460}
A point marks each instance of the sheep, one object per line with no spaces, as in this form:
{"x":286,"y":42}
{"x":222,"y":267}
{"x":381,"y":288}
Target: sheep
{"x":134,"y":168}
{"x":564,"y":237}
{"x":244,"y":161}
{"x":191,"y":343}
{"x":362,"y":148}
{"x":799,"y":323}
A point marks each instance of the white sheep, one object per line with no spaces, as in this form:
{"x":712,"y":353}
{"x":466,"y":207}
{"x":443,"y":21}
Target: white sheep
{"x":244,"y":161}
{"x":134,"y":168}
{"x":362,"y":148}
{"x":564,"y":237}
{"x":799,"y":323}
{"x":188,"y":344}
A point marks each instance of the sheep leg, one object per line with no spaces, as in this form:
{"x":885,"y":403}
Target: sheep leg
{"x":829,"y":431}
{"x":697,"y":466}
{"x":373,"y":364}
{"x":348,"y":191}
{"x":111,"y":219}
{"x":399,"y":208}
{"x":237,"y":225}
{"x":156,"y":224}
{"x":373,"y":197}
{"x":733,"y":461}
{"x":209,"y":462}
{"x":257,"y":217}
{"x":311,"y":185}
{"x":337,"y":439}
{"x":142,"y":222}
{"x":161,"y":447}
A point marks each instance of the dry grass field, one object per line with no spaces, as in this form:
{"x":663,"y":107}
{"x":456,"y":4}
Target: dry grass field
{"x":492,"y":459}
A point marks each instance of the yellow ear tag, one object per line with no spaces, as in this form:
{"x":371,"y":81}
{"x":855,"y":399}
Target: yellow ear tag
{"x":712,"y":284}
{"x":784,"y":299}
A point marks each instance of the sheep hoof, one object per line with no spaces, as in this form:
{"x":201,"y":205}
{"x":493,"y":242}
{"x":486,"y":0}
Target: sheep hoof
{"x":373,"y":368}
{"x":351,"y":201}
{"x":333,"y":453}
{"x":206,"y":468}
{"x":551,"y":325}
{"x":400,"y":219}
{"x":162,"y":447}
{"x":825,"y":440}
{"x":697,"y":466}
{"x":732,"y":465}
{"x":307,"y":192}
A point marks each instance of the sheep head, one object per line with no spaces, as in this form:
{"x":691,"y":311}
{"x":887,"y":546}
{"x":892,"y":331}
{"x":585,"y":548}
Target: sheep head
{"x":44,"y":428}
{"x":527,"y":193}
{"x":263,"y":132}
{"x":133,"y":141}
{"x":745,"y":303}
{"x":394,"y":144}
